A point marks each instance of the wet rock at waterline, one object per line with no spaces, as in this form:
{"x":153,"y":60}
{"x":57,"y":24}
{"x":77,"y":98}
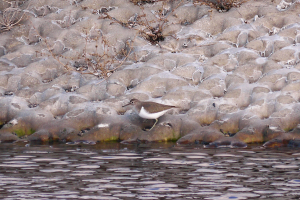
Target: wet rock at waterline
{"x":8,"y":137}
{"x":226,"y":142}
{"x":290,"y":139}
{"x":66,"y":70}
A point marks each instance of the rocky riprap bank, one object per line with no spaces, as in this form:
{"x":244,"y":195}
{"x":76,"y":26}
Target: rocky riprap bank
{"x":68,"y":67}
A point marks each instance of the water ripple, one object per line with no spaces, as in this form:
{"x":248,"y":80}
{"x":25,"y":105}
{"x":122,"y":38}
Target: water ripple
{"x":214,"y":171}
{"x":117,"y":157}
{"x":131,"y":172}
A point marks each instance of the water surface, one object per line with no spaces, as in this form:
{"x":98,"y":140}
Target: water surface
{"x":147,"y":171}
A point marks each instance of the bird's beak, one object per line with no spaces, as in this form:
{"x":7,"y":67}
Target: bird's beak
{"x":126,"y":104}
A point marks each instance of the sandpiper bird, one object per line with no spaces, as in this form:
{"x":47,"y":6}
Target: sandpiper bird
{"x":149,"y":110}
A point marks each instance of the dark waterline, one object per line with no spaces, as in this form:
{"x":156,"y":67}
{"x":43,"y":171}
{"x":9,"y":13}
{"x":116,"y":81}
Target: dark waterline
{"x":147,"y":171}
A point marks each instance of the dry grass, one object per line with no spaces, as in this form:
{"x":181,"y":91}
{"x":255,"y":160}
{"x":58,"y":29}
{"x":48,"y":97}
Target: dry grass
{"x":221,"y":5}
{"x":151,"y":30}
{"x":11,"y":16}
{"x":142,"y":1}
{"x":139,"y":2}
{"x":100,"y":61}
{"x":103,"y":60}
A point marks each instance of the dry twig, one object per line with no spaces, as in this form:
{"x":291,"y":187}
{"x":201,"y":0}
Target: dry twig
{"x":94,"y":63}
{"x":11,"y":16}
{"x":151,"y":30}
{"x":221,"y":5}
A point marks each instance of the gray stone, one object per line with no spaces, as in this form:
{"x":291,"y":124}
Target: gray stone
{"x":204,"y":135}
{"x":6,"y":137}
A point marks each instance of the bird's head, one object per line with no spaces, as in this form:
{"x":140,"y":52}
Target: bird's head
{"x":132,"y":102}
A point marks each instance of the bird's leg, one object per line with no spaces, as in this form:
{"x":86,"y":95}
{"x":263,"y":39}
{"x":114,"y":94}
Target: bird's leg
{"x":153,"y":125}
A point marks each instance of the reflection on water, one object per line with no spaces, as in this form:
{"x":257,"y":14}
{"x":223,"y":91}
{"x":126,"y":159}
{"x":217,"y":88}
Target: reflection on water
{"x":149,"y":171}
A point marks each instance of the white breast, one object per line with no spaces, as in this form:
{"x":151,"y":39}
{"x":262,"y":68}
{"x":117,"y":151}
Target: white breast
{"x":146,"y":115}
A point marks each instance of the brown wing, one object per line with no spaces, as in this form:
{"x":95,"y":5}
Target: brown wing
{"x":156,"y":107}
